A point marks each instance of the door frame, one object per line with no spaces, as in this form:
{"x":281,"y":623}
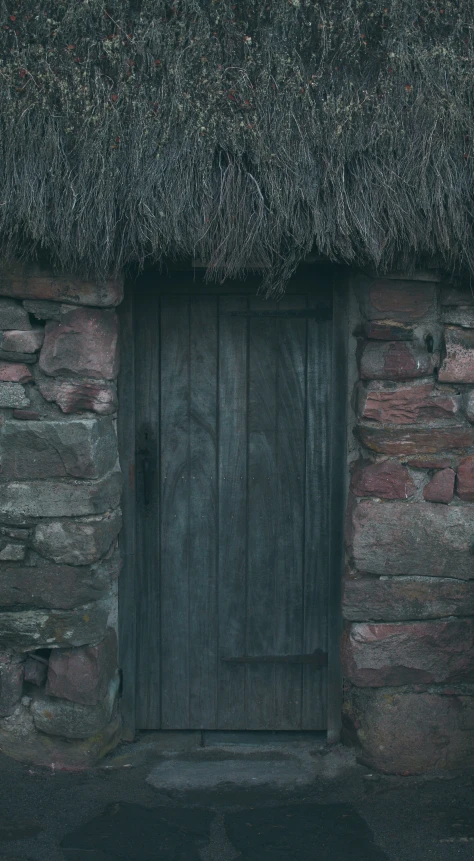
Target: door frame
{"x":337,"y":504}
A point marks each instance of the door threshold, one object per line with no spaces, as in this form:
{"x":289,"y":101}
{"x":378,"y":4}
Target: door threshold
{"x":261,"y":737}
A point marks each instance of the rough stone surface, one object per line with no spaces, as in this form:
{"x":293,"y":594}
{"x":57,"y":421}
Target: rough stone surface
{"x":52,"y":498}
{"x":427,"y":462}
{"x":11,"y":681}
{"x":83,"y":675}
{"x":458,"y":365}
{"x":12,"y":395}
{"x":395,"y":360}
{"x":441,"y":486}
{"x":14,"y":356}
{"x":36,"y":671}
{"x":451,"y":295}
{"x":12,"y":552}
{"x":81,"y":448}
{"x":73,"y":720}
{"x":465,"y":486}
{"x":469,"y":406}
{"x":404,"y":653}
{"x":44,"y":310}
{"x":13,"y":315}
{"x":84,"y":344}
{"x":403,"y":732}
{"x":77,"y":542}
{"x":400,"y":300}
{"x":11,"y":373}
{"x":398,"y":599}
{"x":73,"y":396}
{"x":32,"y":282}
{"x":23,"y":342}
{"x":36,"y":629}
{"x":26,"y":415}
{"x":387,"y":330}
{"x":58,"y":587}
{"x":407,"y":441}
{"x":459,"y":316}
{"x":407,"y":403}
{"x":388,"y":480}
{"x":400,"y":538}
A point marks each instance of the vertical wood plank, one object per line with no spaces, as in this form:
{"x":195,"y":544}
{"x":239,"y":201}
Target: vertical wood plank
{"x":126,"y":585}
{"x":318,"y":440}
{"x":203,"y":527}
{"x":147,"y":388}
{"x":289,"y":510}
{"x":232,"y":509}
{"x":175,"y":470}
{"x":262,"y":499}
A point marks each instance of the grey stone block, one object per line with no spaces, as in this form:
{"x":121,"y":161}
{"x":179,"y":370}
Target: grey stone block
{"x":73,"y":720}
{"x":12,"y":396}
{"x":79,"y":447}
{"x":20,"y":500}
{"x":13,"y":315}
{"x":27,"y":630}
{"x":60,"y":587}
{"x":77,"y":542}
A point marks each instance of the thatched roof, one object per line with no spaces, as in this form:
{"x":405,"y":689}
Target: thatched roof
{"x":243,"y":133}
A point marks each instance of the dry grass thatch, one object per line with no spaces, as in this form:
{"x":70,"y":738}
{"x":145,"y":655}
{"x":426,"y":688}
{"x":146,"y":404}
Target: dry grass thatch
{"x":243,"y":132}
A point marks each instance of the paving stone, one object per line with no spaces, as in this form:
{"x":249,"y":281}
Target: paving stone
{"x":408,"y":441}
{"x":407,"y":403}
{"x":404,"y":732}
{"x":27,"y":630}
{"x":23,"y":342}
{"x":80,"y":447}
{"x":458,"y":365}
{"x":52,"y":498}
{"x":84,"y":343}
{"x":32,"y":282}
{"x":387,"y":479}
{"x":13,"y":315}
{"x":402,"y":538}
{"x":402,"y":653}
{"x":73,"y":720}
{"x":12,"y":395}
{"x":11,"y":682}
{"x":395,"y":360}
{"x":11,"y":373}
{"x":83,"y":675}
{"x":398,"y":599}
{"x":60,"y":587}
{"x":73,"y":396}
{"x":441,"y":486}
{"x":77,"y":542}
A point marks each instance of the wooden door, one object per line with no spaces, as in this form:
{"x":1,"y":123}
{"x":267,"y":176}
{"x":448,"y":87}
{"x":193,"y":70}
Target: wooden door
{"x":232,"y":458}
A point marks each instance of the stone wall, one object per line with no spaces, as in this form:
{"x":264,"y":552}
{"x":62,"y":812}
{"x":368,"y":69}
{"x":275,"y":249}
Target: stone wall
{"x":59,"y":517}
{"x":408,"y":605}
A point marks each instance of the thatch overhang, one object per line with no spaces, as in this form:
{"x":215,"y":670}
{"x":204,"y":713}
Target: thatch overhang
{"x":244,"y":133}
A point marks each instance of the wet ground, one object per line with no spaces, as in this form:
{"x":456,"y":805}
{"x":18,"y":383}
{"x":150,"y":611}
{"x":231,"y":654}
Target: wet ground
{"x":167,"y":798}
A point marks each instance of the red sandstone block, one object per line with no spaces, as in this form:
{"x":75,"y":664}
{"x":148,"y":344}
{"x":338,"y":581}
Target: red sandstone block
{"x":73,"y":396}
{"x":458,"y":366}
{"x":396,"y":599}
{"x":11,"y":373}
{"x":406,"y":441}
{"x":441,"y":486}
{"x":395,"y":360}
{"x":387,"y":330}
{"x":82,"y":675}
{"x":407,"y":403}
{"x":465,"y":488}
{"x":84,"y":343}
{"x":405,"y":653}
{"x":400,"y":300}
{"x":427,"y":462}
{"x":387,"y":480}
{"x":31,"y":282}
{"x":23,"y":342}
